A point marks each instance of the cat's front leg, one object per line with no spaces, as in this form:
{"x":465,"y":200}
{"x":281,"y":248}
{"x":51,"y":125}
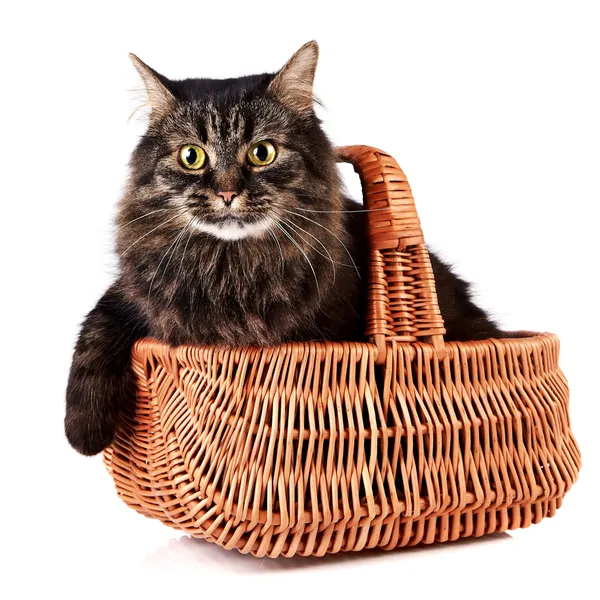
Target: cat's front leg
{"x":101,"y":381}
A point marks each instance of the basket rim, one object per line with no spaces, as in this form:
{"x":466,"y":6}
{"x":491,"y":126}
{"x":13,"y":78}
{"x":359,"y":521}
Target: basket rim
{"x":153,"y":346}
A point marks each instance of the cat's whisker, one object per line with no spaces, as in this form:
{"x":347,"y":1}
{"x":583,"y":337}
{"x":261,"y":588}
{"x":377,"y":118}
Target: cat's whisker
{"x":332,"y":233}
{"x":178,"y":240}
{"x":152,"y":212}
{"x":359,"y":210}
{"x":328,"y":256}
{"x":335,"y":262}
{"x":185,"y":248}
{"x":283,"y":230}
{"x":298,"y":194}
{"x":280,"y":252}
{"x":148,"y":233}
{"x":161,"y":261}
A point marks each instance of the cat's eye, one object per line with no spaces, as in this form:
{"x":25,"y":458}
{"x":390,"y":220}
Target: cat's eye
{"x":192,"y":157}
{"x":262,"y":154}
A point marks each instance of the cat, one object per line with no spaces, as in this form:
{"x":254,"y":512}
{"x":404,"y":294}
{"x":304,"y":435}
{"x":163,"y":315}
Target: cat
{"x":233,"y":229}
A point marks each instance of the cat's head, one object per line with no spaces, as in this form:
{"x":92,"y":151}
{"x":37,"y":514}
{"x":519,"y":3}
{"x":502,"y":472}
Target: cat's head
{"x":231,"y":158}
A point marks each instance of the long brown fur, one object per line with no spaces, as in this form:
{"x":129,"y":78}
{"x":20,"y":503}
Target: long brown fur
{"x":284,"y":261}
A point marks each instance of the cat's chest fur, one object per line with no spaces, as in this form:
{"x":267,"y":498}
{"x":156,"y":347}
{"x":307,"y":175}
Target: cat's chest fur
{"x":234,"y":295}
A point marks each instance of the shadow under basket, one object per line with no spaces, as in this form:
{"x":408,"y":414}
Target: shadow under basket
{"x":315,"y":448}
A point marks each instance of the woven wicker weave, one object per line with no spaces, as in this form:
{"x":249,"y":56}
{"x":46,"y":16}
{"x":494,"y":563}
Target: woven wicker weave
{"x":310,"y":448}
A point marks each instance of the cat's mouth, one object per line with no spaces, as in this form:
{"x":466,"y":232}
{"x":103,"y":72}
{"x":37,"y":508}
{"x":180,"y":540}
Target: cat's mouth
{"x":230,"y":227}
{"x":230,"y":220}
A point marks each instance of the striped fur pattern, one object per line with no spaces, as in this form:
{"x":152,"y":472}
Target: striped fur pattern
{"x":283,"y":262}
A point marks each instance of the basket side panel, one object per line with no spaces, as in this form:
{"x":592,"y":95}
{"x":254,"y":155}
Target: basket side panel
{"x":486,"y":443}
{"x":270,"y":451}
{"x":276,"y":445}
{"x":138,"y":459}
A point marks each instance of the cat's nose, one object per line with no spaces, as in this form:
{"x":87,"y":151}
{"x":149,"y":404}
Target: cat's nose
{"x":227,"y":197}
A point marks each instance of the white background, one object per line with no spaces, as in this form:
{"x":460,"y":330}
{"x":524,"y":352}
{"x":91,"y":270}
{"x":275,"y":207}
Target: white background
{"x":491,"y":108}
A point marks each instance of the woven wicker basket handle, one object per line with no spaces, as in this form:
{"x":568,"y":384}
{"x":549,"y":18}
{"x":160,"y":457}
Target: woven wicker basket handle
{"x":402,"y":302}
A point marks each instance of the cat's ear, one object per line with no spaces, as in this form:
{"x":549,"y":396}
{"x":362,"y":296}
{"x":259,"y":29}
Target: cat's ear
{"x":293,"y":84}
{"x":159,"y":97}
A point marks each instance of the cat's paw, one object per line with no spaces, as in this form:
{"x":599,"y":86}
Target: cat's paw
{"x":89,"y":432}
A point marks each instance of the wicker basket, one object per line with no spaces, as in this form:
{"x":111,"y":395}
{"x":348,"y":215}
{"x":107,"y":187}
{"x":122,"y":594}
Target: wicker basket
{"x":314,"y":448}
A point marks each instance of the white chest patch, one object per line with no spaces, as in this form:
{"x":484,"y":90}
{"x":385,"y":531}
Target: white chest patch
{"x":234,"y":230}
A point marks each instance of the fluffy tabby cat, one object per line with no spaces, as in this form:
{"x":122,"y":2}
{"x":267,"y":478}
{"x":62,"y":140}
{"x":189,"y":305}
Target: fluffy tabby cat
{"x":234,"y":230}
